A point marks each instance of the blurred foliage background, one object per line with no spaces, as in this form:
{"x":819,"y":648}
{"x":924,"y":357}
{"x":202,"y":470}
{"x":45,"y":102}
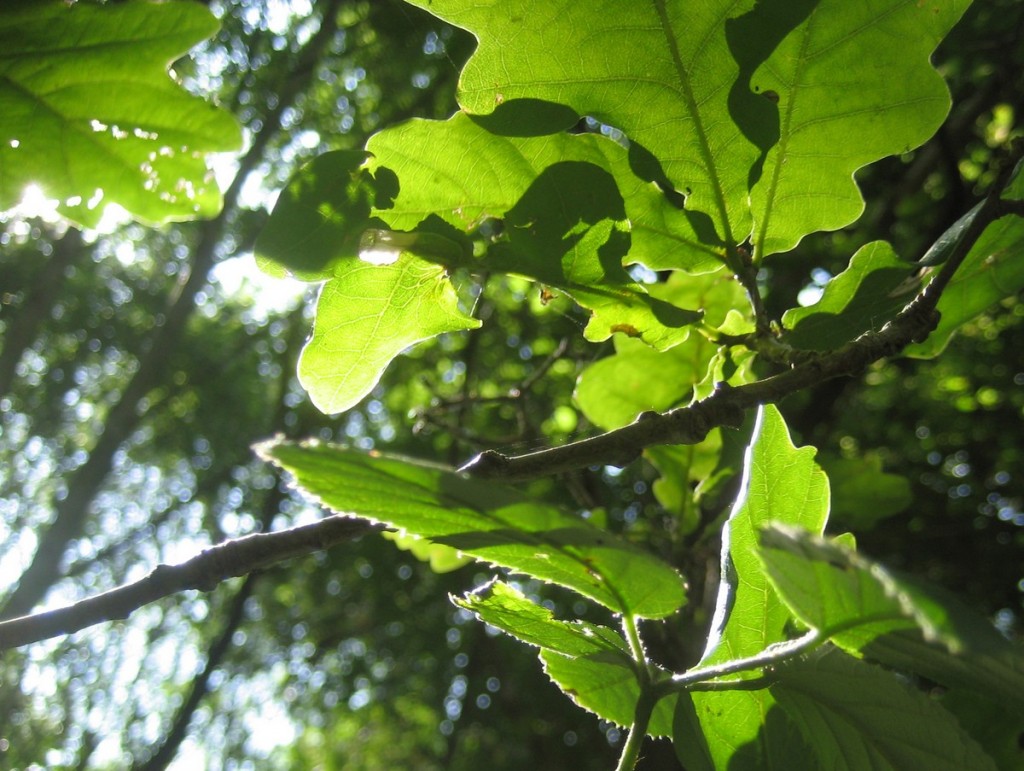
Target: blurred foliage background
{"x":138,"y":365}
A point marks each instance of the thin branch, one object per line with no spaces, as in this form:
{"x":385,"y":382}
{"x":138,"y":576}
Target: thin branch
{"x":237,"y":557}
{"x":727,"y":405}
{"x":771,"y":656}
{"x":746,"y":273}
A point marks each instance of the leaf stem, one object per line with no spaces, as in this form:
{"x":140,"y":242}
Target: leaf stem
{"x":739,"y":260}
{"x":772,"y":655}
{"x":636,"y":647}
{"x":638,"y":731}
{"x":646,"y":701}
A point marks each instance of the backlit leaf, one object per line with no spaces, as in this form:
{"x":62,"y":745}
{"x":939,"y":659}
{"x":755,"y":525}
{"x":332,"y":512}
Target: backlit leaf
{"x":873,"y":289}
{"x":505,"y":607}
{"x":89,"y":114}
{"x":660,"y":72}
{"x":368,"y":314}
{"x":570,"y":208}
{"x":993,"y":270}
{"x":780,"y":483}
{"x":609,"y":691}
{"x":490,"y":522}
{"x":863,"y":494}
{"x":838,"y":105}
{"x":890,"y":618}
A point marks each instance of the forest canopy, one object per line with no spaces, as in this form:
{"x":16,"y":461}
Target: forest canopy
{"x":449,"y":383}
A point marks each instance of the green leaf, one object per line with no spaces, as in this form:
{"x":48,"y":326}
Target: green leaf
{"x":613,"y":391}
{"x":320,"y":217}
{"x":386,"y":291}
{"x":839,"y":106}
{"x":750,"y":98}
{"x":88,"y":112}
{"x":848,"y":597}
{"x":684,"y":470}
{"x":863,"y":494}
{"x":993,"y":270}
{"x":740,"y":735}
{"x":365,"y":317}
{"x":571,"y":210}
{"x":950,"y":241}
{"x":890,"y":618}
{"x":780,"y":483}
{"x":988,"y":721}
{"x":630,"y":63}
{"x":489,"y":522}
{"x":590,"y":663}
{"x":505,"y":607}
{"x":870,"y":292}
{"x":992,"y":666}
{"x":856,"y":716}
{"x":608,"y":690}
{"x":688,"y":737}
{"x":442,"y":559}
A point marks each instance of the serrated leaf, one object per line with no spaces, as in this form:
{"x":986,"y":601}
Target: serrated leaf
{"x":485,"y":520}
{"x":870,"y":292}
{"x":993,"y":667}
{"x":88,"y":112}
{"x":505,"y":607}
{"x":839,"y":106}
{"x":365,"y":317}
{"x":780,"y":483}
{"x":608,"y":690}
{"x":890,"y":618}
{"x":849,"y":598}
{"x":988,"y":721}
{"x":856,"y":716}
{"x":993,"y":270}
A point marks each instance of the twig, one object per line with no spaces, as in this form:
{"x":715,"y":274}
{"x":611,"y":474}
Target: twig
{"x":771,"y":656}
{"x":727,"y":405}
{"x":238,"y":557}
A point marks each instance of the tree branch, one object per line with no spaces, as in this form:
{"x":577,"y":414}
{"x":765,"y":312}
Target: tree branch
{"x":726,"y":406}
{"x":237,"y":557}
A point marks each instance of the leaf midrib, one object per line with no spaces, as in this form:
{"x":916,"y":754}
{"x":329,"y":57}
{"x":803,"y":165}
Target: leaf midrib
{"x":437,"y":500}
{"x":707,"y":156}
